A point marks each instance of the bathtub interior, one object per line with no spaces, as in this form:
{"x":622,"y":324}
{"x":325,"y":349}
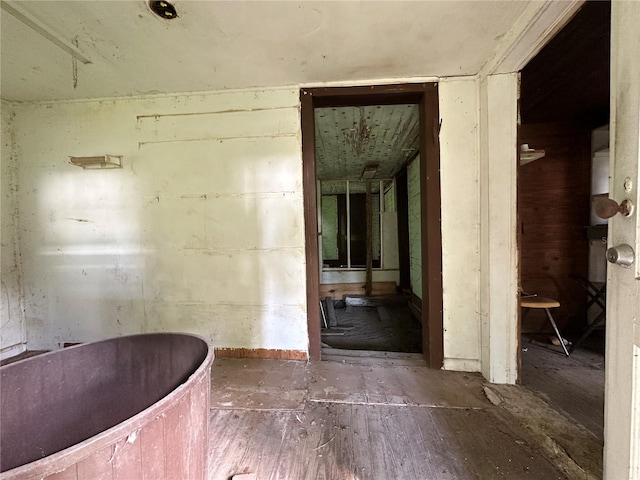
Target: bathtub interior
{"x":56,"y":400}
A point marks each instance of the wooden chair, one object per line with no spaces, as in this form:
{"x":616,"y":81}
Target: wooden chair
{"x":533,"y":301}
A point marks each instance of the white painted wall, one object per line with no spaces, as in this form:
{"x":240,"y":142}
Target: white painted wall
{"x":202,"y":230}
{"x":498,"y":221}
{"x":459,"y":172}
{"x":12,"y":336}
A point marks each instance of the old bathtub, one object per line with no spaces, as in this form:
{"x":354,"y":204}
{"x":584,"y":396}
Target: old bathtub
{"x":132,"y":407}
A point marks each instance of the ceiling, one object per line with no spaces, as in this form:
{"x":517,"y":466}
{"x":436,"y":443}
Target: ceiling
{"x":217,"y":45}
{"x":568,"y":80}
{"x":348,"y":138}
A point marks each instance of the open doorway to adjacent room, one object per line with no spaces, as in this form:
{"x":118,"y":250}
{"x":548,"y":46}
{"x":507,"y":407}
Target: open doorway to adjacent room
{"x":366,"y":161}
{"x":563,"y":173}
{"x":368,"y":171}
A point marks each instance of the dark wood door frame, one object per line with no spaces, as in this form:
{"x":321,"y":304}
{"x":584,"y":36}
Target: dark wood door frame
{"x":425,"y":95}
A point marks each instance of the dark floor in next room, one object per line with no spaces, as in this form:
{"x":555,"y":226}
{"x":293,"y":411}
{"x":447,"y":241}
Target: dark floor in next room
{"x":382,"y":323}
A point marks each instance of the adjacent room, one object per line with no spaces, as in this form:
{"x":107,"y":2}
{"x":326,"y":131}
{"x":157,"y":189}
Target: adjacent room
{"x":203,"y":200}
{"x":367,"y":167}
{"x":563,"y":175}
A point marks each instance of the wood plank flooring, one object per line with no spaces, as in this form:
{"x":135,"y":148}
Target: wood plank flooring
{"x":382,"y":323}
{"x":342,"y":441}
{"x":574,"y":385}
{"x":338,"y":421}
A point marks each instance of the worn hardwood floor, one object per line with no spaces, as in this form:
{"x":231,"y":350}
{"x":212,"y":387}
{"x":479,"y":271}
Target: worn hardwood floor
{"x":573,"y":385}
{"x":381,"y":323}
{"x":329,"y":420}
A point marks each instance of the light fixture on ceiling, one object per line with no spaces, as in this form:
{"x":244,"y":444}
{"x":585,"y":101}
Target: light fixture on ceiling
{"x":163,"y":9}
{"x":99,"y":162}
{"x":358,"y":136}
{"x":528,"y":155}
{"x":369,"y":171}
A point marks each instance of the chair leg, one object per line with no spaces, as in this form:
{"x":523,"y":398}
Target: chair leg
{"x":324,"y":318}
{"x":555,"y":327}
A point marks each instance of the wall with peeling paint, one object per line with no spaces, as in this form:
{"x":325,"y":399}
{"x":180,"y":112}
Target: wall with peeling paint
{"x":459,"y":175}
{"x":12,"y":339}
{"x":202,"y":230}
{"x":498,"y":240}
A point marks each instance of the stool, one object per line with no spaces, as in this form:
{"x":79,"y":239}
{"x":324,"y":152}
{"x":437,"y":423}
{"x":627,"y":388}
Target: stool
{"x":532,"y":301}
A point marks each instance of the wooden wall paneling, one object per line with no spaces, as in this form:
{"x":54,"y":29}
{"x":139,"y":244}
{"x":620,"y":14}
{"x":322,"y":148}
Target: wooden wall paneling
{"x":569,"y":78}
{"x":152,"y":443}
{"x":553,"y":208}
{"x":176,"y":437}
{"x":70,"y":473}
{"x":127,"y":461}
{"x":97,"y":465}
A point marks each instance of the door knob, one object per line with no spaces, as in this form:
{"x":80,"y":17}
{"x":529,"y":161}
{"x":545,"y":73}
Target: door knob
{"x":607,"y":208}
{"x":621,"y":255}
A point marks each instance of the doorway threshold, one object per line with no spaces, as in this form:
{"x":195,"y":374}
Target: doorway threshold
{"x":373,"y":357}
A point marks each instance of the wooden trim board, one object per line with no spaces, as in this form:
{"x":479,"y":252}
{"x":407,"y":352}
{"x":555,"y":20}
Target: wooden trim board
{"x":261,"y":353}
{"x":337,"y":291}
{"x":425,"y":95}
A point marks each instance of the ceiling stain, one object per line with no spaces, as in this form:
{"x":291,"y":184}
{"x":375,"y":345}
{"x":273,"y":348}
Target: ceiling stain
{"x":348,"y":138}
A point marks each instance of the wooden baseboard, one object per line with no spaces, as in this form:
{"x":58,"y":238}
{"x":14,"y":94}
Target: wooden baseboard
{"x":261,"y":353}
{"x":337,"y":291}
{"x":415,"y":305}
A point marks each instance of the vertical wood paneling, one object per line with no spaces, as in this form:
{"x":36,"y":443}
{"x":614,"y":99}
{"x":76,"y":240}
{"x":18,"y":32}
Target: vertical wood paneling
{"x":198,"y":429}
{"x":152,"y":450}
{"x":70,"y":473}
{"x":97,"y":466}
{"x":127,"y":462}
{"x":176,"y":434}
{"x":553,"y":208}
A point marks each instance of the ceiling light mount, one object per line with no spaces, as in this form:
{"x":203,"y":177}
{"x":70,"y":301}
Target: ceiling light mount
{"x":369,"y":171}
{"x":163,"y":9}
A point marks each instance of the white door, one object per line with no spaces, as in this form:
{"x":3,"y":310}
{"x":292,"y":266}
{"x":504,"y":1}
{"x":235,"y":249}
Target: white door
{"x":622,"y":397}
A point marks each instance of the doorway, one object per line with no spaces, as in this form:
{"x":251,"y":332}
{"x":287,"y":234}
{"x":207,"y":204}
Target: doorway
{"x":563,"y":142}
{"x":352,"y":253}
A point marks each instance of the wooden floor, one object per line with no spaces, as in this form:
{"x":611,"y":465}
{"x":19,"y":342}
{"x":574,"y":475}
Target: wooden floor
{"x":573,"y":385}
{"x":339,"y":421}
{"x":382,"y":323}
